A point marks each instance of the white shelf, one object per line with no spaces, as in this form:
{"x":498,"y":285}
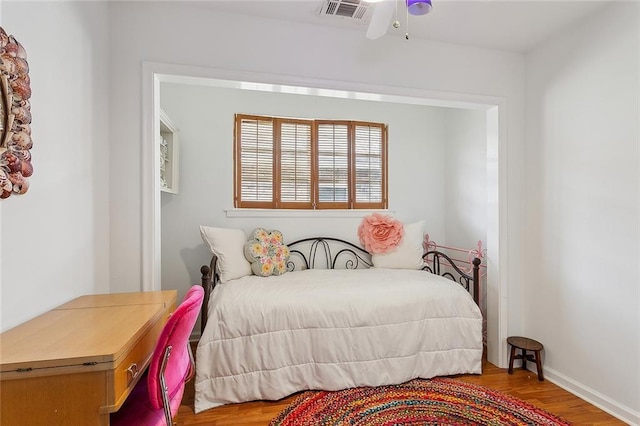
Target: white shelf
{"x":168,"y":155}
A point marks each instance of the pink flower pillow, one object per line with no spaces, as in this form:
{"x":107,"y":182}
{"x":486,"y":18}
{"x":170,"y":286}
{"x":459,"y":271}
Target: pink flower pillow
{"x":380,"y":233}
{"x":267,"y":253}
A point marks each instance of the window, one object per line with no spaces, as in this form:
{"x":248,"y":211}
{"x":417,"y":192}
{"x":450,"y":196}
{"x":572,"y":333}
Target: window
{"x":292,"y":163}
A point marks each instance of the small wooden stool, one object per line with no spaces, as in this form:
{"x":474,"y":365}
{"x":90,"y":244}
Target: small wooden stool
{"x":525,"y":344}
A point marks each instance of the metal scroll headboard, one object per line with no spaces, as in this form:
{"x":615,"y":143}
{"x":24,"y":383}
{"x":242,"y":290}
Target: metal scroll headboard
{"x":327,"y":252}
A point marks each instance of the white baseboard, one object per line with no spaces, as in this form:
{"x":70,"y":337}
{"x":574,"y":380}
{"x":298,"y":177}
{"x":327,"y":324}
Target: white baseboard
{"x":593,"y":397}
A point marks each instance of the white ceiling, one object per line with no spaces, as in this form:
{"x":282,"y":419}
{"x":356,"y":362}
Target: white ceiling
{"x":511,"y":25}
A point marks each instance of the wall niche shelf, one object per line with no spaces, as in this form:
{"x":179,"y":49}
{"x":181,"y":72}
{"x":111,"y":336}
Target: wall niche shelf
{"x":168,"y":155}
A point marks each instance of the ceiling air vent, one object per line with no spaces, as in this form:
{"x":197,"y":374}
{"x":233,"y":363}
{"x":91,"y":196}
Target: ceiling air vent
{"x":353,"y":9}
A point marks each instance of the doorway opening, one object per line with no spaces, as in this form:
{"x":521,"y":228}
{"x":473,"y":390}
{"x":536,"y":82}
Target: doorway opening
{"x":154,"y":74}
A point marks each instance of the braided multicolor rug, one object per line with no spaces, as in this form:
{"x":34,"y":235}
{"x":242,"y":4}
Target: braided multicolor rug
{"x":437,"y":401}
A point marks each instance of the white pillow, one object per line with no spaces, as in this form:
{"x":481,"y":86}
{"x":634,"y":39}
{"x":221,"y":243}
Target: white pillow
{"x":408,"y":254}
{"x":228,"y":245}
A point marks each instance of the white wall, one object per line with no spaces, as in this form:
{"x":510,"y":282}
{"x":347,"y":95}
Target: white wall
{"x":55,"y":238}
{"x":465,"y":180}
{"x":204,"y":116}
{"x":581,"y":291}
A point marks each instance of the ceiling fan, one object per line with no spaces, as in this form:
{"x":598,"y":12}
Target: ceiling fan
{"x":379,"y":13}
{"x":385,"y":10}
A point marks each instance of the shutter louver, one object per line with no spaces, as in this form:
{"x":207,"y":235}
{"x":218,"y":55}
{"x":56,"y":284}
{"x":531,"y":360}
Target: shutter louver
{"x":368,"y":164}
{"x":333,"y":163}
{"x":256,"y":147}
{"x":295,"y":162}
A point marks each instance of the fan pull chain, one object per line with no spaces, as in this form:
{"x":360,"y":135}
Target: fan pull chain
{"x":396,"y":23}
{"x":406,"y":35}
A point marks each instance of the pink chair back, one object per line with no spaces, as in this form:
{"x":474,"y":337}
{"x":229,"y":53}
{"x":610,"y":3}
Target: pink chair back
{"x":176,"y":334}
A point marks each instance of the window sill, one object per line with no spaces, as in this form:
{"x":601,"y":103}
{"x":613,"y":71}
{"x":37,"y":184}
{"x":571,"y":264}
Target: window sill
{"x":287,"y":213}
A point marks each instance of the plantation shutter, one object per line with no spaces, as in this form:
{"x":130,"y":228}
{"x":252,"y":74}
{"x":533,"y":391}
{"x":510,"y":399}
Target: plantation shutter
{"x":256,"y":161}
{"x":295,"y":164}
{"x":306,"y":164}
{"x":333,"y":165}
{"x":369,"y":147}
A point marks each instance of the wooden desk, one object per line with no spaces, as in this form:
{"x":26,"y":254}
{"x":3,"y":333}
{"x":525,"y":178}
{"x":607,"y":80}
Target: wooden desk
{"x":78,"y":362}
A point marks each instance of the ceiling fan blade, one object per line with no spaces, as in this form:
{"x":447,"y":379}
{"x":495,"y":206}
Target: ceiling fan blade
{"x":380,"y":19}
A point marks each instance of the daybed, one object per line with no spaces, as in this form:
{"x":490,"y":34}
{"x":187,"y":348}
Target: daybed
{"x":334,"y":322}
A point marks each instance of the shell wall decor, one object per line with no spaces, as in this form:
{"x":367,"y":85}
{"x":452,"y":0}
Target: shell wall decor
{"x":15,"y":117}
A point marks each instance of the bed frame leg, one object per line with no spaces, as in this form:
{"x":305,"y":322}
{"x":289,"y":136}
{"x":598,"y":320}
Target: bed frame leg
{"x":206,"y":284}
{"x":476,"y":280}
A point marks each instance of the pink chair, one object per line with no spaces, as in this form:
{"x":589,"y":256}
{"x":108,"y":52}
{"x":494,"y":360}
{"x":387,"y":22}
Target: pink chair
{"x":155,"y":401}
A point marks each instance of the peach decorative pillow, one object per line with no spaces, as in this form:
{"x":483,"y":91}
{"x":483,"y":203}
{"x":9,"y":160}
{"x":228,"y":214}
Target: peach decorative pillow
{"x":266,"y":253}
{"x":380,"y":233}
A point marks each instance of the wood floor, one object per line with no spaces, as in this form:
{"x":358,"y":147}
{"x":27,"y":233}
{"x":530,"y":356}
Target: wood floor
{"x":522,"y":384}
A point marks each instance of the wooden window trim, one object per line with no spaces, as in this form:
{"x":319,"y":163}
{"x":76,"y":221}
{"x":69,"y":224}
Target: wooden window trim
{"x":314,"y":203}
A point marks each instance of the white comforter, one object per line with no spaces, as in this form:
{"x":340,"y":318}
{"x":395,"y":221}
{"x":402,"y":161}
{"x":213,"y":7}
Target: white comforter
{"x":267,"y":338}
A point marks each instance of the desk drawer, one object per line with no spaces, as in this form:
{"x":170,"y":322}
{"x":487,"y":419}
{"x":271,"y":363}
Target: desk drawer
{"x":127,"y":373}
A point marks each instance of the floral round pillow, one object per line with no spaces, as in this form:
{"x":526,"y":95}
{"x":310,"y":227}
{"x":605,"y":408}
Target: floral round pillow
{"x":266,"y":253}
